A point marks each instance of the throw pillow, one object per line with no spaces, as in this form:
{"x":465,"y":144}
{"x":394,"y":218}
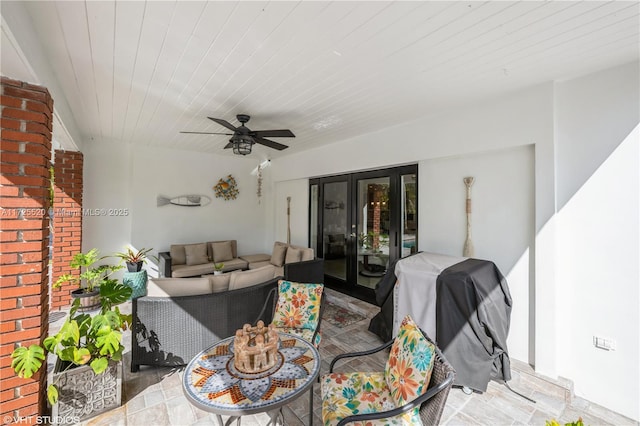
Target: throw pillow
{"x":196,"y":254}
{"x":408,"y":369}
{"x":222,"y":251}
{"x":277,"y":256}
{"x":178,"y":256}
{"x":219,"y":283}
{"x":293,"y":255}
{"x":298,"y":305}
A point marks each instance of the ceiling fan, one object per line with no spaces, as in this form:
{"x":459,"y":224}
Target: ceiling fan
{"x":243,"y":138}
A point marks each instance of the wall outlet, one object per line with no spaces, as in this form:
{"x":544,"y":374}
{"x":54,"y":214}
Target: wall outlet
{"x":604,"y":343}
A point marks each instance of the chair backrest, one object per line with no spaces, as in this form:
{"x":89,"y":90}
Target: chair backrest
{"x":441,"y":377}
{"x":308,"y":271}
{"x":298,"y":305}
{"x":277,"y":318}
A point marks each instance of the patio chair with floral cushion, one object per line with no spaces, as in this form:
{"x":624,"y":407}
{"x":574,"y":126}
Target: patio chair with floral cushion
{"x":298,"y":309}
{"x":412,"y":390}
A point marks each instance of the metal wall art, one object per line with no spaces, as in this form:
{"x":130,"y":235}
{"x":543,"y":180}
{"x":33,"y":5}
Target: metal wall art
{"x":184,"y":200}
{"x":226,"y":188}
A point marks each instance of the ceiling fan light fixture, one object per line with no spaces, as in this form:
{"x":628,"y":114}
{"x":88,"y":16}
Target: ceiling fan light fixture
{"x":241,"y":144}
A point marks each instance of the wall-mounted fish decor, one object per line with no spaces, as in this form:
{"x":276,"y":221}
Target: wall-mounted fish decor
{"x":184,"y":200}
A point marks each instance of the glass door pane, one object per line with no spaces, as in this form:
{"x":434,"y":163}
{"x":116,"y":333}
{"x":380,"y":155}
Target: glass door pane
{"x":409,"y":215}
{"x":334,"y":229}
{"x":373,"y":229}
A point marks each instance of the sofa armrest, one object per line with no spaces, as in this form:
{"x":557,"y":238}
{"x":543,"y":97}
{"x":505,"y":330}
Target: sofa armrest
{"x":307,"y":271}
{"x":164,"y":265}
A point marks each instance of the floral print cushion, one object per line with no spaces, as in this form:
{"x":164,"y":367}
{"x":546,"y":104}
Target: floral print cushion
{"x":344,"y":395}
{"x":298,"y":305}
{"x":408,"y":369}
{"x":306,"y":334}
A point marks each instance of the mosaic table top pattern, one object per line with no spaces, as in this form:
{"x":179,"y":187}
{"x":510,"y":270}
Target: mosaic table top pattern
{"x":212,"y":382}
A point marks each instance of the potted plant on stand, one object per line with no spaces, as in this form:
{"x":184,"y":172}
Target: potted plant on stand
{"x":89,"y":280}
{"x":217,"y":268}
{"x":134,"y":260}
{"x":87,"y":378}
{"x":136,"y":277}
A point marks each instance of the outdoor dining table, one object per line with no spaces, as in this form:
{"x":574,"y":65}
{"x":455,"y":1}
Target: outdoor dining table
{"x":212,"y":383}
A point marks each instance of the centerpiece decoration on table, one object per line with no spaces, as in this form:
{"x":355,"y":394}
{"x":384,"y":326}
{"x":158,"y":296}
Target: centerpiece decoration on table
{"x":255,"y":348}
{"x":226,"y":188}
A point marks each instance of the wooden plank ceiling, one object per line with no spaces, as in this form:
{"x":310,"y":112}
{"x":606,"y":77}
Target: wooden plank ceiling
{"x":140,"y":72}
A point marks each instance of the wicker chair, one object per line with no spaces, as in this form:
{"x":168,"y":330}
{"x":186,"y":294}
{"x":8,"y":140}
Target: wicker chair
{"x":431,"y":403}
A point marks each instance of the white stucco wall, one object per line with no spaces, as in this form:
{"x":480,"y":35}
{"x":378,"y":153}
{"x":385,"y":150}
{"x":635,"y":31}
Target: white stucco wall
{"x":598,"y":259}
{"x":124,"y":175}
{"x":503,"y":222}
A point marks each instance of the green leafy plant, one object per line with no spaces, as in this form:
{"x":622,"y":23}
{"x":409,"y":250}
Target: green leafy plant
{"x":554,"y":422}
{"x":218,"y":266}
{"x":82,"y":339}
{"x":91,"y":276}
{"x":130,"y":256}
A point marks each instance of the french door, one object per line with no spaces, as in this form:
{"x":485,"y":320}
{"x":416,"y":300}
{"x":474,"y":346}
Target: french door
{"x":362,"y":222}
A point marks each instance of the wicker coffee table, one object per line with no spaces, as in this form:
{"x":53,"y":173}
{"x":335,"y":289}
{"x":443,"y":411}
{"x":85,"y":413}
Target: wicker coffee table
{"x":212,"y":383}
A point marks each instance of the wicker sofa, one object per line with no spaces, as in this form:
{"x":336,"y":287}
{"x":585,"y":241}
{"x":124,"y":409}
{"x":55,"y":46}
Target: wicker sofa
{"x":182,"y":317}
{"x":190,"y":260}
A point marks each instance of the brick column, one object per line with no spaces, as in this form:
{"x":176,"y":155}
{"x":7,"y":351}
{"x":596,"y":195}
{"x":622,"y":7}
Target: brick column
{"x":67,"y":221}
{"x":25,"y":155}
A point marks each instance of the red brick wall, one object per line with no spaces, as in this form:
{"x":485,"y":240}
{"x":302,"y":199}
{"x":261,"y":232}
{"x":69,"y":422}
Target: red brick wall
{"x":67,"y":221}
{"x":25,"y":155}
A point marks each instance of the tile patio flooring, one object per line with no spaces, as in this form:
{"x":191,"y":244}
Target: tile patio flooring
{"x":154,"y":396}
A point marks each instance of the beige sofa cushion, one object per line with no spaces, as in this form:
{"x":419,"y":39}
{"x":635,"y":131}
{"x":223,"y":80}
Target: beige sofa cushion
{"x":278,"y":253}
{"x":182,"y":271}
{"x":176,"y":287}
{"x":254,"y":258}
{"x":307,"y":253}
{"x":196,"y":254}
{"x":293,"y":255}
{"x":242,"y":279}
{"x":219,"y":283}
{"x":233,"y":264}
{"x":222,"y":251}
{"x":256,"y":265}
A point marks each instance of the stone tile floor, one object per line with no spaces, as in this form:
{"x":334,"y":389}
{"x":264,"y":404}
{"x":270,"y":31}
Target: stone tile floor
{"x":154,"y":396}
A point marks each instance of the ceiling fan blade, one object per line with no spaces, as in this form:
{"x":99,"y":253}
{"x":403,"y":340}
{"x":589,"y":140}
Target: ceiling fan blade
{"x":208,"y":133}
{"x":229,"y":145}
{"x":283,"y":133}
{"x":270,"y":144}
{"x":224,"y":123}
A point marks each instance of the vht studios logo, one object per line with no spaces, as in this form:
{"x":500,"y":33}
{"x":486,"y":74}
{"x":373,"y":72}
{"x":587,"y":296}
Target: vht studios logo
{"x":41,"y":420}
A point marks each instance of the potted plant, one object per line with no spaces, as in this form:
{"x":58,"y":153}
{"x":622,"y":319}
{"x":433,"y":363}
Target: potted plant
{"x":89,"y":348}
{"x":217,"y":268}
{"x":134,"y":260}
{"x":90,"y":278}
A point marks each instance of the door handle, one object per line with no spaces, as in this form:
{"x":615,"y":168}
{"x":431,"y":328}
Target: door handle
{"x":353,"y":234}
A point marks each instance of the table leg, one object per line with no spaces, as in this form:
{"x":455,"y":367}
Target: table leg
{"x":273,"y":417}
{"x":229,"y":420}
{"x":311,"y":406}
